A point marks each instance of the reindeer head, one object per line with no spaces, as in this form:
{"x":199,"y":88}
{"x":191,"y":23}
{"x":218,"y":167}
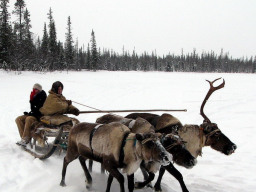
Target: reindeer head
{"x":151,"y":148}
{"x":176,"y":146}
{"x":214,"y":137}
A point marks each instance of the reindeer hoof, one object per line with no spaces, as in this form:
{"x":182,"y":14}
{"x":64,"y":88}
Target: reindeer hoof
{"x":88,"y":185}
{"x":157,"y":189}
{"x":150,"y":185}
{"x":63,"y":184}
{"x":138,"y":185}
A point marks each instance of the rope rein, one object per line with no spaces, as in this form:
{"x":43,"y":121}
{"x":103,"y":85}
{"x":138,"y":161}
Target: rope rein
{"x":172,"y":145}
{"x":130,"y":110}
{"x":146,"y":140}
{"x":86,"y":106}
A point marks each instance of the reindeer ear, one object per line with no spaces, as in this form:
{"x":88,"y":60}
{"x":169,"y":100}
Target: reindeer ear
{"x":208,"y":128}
{"x":139,"y":136}
{"x":205,"y":127}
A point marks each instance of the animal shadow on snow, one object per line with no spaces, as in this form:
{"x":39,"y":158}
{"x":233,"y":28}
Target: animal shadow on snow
{"x":99,"y":183}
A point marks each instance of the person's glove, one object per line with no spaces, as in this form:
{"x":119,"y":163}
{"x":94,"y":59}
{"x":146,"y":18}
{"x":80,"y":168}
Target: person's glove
{"x":25,"y":113}
{"x":76,"y":112}
{"x":69,"y":102}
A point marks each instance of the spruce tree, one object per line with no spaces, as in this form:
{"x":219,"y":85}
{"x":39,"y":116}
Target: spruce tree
{"x":76,"y":56}
{"x":254,"y":65}
{"x":94,"y":53}
{"x":69,"y":47}
{"x":28,"y":41}
{"x":27,"y":27}
{"x":168,"y":67}
{"x":61,"y":56}
{"x":88,"y":58}
{"x":45,"y":43}
{"x":37,"y":54}
{"x":20,"y":57}
{"x":19,"y":10}
{"x":81,"y":58}
{"x":5,"y":36}
{"x":52,"y":41}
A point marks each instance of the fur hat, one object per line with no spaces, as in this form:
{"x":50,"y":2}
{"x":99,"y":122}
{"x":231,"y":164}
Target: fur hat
{"x":37,"y":86}
{"x":56,"y":85}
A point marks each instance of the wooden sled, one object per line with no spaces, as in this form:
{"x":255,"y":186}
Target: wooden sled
{"x":55,"y":137}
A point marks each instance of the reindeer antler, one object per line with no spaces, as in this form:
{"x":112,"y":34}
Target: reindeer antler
{"x":211,"y":90}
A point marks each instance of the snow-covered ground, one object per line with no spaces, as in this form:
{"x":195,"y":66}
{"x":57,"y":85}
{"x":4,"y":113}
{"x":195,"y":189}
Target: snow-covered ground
{"x":232,"y":108}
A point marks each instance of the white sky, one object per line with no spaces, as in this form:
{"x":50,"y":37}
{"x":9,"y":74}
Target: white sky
{"x":148,"y":25}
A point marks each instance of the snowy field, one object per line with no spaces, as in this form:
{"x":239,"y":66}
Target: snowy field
{"x":233,"y":108}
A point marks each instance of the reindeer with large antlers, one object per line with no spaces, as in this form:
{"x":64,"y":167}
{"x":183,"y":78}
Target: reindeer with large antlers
{"x":196,"y":137}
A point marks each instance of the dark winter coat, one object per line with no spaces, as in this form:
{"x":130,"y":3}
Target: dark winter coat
{"x":36,"y":103}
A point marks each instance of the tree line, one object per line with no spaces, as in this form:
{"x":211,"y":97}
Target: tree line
{"x":20,"y":51}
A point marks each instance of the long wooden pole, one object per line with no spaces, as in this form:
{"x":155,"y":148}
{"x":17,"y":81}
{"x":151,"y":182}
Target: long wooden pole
{"x":123,"y":111}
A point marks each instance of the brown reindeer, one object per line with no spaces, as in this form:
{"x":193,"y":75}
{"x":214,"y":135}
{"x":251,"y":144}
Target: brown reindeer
{"x":196,"y":137}
{"x":180,"y":155}
{"x":172,"y":143}
{"x":115,"y":147}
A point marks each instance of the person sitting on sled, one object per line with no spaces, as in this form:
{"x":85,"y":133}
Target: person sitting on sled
{"x":56,"y":106}
{"x":25,"y":122}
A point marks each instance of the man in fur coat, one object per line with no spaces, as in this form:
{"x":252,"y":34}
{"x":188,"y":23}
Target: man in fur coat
{"x":56,"y":106}
{"x":25,"y":122}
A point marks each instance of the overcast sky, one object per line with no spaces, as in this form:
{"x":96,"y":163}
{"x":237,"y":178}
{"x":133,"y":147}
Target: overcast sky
{"x":148,"y":25}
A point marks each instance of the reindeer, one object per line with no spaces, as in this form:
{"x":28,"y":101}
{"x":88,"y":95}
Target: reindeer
{"x":115,"y":147}
{"x":196,"y":137}
{"x":172,"y":143}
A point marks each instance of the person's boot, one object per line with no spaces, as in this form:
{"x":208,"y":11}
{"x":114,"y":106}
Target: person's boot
{"x":22,"y":142}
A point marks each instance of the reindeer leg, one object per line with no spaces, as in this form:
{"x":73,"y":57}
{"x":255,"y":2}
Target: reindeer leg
{"x":174,"y":172}
{"x":143,"y":170}
{"x":110,"y":179}
{"x":130,"y":182}
{"x":139,"y":185}
{"x":113,"y":172}
{"x":64,"y":168}
{"x":102,"y":169}
{"x":148,"y":177}
{"x":70,"y":156}
{"x":158,"y":182}
{"x":90,"y":165}
{"x":86,"y":172}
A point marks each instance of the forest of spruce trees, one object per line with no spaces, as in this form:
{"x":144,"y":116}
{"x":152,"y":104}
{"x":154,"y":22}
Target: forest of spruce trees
{"x":19,"y":51}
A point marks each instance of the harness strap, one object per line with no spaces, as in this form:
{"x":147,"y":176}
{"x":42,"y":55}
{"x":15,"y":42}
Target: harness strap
{"x":201,"y":133}
{"x":121,"y":154}
{"x":91,"y":135}
{"x":171,"y":146}
{"x":135,"y":141}
{"x":211,"y":133}
{"x":121,"y":157}
{"x":201,"y":137}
